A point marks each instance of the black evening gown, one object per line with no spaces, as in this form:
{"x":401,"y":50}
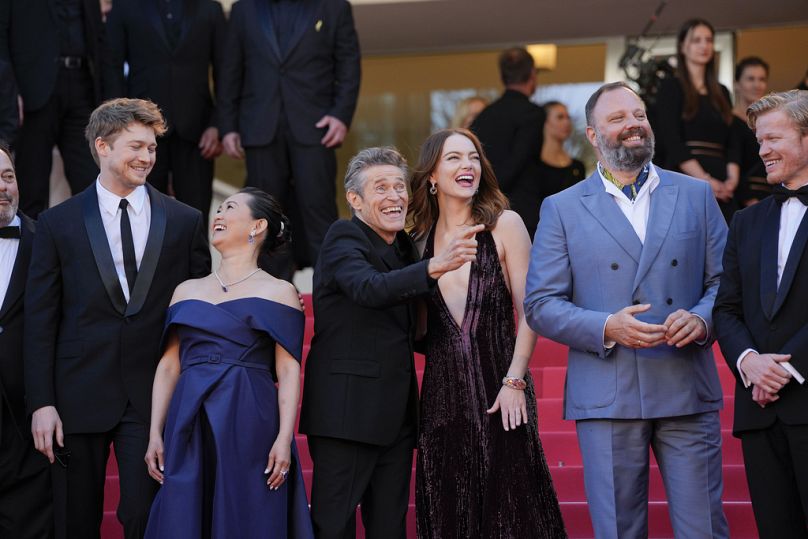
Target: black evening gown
{"x":474,"y":479}
{"x":753,"y":172}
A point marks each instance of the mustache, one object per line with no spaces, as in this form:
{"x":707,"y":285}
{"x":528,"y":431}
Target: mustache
{"x":636,"y":131}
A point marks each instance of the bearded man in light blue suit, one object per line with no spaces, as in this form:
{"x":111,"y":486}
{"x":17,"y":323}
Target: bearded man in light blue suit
{"x":624,"y":270}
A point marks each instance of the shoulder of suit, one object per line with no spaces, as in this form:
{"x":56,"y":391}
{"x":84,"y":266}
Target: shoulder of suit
{"x":682,"y":180}
{"x":66,"y":208}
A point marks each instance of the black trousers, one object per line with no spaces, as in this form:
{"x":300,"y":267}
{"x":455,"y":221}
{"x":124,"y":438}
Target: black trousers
{"x":61,"y":123}
{"x":299,"y":176}
{"x":26,"y":509}
{"x":348,"y":473}
{"x":776,"y":462}
{"x":190,"y":174}
{"x":78,"y":481}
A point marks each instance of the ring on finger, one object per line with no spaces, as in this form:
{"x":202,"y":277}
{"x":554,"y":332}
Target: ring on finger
{"x":284,"y":473}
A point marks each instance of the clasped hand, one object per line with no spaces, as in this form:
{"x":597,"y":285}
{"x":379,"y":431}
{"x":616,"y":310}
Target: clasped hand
{"x":766,"y":375}
{"x":679,"y":329}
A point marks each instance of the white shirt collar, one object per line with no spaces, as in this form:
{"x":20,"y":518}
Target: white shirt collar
{"x":16,"y":221}
{"x":648,"y":187}
{"x":109,"y":202}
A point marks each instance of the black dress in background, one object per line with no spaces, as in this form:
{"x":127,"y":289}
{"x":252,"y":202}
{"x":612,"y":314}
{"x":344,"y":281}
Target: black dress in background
{"x":753,"y":185}
{"x":548,"y":180}
{"x":474,"y":479}
{"x":706,"y":137}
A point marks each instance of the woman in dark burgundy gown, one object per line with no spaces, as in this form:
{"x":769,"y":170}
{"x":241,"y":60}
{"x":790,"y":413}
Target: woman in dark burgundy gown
{"x":481,"y":471}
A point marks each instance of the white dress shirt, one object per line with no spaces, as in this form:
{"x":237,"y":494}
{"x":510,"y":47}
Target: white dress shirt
{"x":8,"y":254}
{"x":139,"y":211}
{"x":791,"y":215}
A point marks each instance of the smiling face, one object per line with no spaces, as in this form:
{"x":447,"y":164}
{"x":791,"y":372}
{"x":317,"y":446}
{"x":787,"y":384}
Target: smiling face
{"x":783,"y":149}
{"x":558,"y":124}
{"x":752,"y":84}
{"x":621,"y":133}
{"x":697,"y":46}
{"x":383,"y":202}
{"x":9,"y":194}
{"x":127,"y":158}
{"x":234,"y":222}
{"x":457,"y":173}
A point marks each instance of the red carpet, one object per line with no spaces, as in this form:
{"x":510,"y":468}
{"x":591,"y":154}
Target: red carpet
{"x":561,"y":448}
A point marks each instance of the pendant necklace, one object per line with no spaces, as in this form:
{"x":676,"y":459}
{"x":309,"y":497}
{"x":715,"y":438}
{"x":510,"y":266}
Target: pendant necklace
{"x":225,"y":286}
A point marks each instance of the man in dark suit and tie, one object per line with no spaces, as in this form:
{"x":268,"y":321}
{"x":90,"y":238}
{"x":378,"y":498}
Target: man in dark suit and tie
{"x":511,"y":128}
{"x":25,"y":491}
{"x":172,"y":46}
{"x":361,"y":396}
{"x":762,"y":321}
{"x":288,"y":94}
{"x":104,"y":266}
{"x":53,"y":47}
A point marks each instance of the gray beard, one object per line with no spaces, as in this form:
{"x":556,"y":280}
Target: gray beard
{"x":618,"y":157}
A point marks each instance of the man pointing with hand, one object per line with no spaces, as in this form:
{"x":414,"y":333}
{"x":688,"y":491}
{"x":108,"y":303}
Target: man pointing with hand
{"x":624,"y":270}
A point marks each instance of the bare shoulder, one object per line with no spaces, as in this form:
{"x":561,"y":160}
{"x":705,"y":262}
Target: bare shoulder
{"x":508,"y":224}
{"x":190,"y":289}
{"x":277,"y":290}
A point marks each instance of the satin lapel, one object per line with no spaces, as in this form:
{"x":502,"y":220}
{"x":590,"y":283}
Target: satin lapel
{"x":100,"y":247}
{"x":605,"y":210}
{"x":151,"y":254}
{"x":305,"y":20}
{"x":153,"y":13}
{"x":16,"y":286}
{"x":794,"y":257}
{"x":768,"y":259}
{"x":189,"y":8}
{"x":264,"y":14}
{"x":405,"y":241}
{"x":660,"y":216}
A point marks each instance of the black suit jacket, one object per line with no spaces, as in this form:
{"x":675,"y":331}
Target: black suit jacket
{"x":360,"y":376}
{"x":12,"y":388}
{"x":29,"y":40}
{"x":511,"y":132}
{"x":318,"y":75}
{"x":178,"y":79}
{"x":87,"y":351}
{"x":752,"y":312}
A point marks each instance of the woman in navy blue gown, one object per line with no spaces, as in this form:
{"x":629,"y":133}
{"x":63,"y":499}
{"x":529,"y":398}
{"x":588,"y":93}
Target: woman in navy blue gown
{"x":222,"y":432}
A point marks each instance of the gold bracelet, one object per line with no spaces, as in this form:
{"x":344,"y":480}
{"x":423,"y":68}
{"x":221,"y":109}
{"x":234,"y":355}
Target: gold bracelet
{"x":514,"y":383}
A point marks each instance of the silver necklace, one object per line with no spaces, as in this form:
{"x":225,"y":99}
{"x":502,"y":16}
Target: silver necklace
{"x":225,"y":286}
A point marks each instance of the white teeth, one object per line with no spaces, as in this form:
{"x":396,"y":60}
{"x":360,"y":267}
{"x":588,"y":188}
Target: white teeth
{"x":468,"y":177}
{"x":219,"y":227}
{"x":392,"y":209}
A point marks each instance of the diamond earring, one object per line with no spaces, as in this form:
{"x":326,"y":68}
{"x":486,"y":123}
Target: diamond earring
{"x":433,"y":190}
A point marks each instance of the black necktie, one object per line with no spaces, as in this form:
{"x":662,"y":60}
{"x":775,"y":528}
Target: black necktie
{"x":128,"y":246}
{"x":10,"y":232}
{"x":781,"y":194}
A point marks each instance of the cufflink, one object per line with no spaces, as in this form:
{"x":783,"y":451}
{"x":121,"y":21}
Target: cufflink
{"x":318,"y":25}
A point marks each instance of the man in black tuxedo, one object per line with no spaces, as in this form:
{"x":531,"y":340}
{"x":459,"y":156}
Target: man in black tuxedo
{"x":761,"y":320}
{"x":54,"y":49}
{"x":511,"y":129}
{"x":104,"y":266}
{"x":361,"y":396}
{"x":171,"y":47}
{"x":25,"y":491}
{"x":288,"y":94}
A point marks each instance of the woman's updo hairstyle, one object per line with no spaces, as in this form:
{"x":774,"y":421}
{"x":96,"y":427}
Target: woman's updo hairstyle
{"x":264,"y":206}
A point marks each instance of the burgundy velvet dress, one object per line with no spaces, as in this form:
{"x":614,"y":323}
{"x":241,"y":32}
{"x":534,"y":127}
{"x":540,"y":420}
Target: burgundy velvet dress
{"x":473,"y":478}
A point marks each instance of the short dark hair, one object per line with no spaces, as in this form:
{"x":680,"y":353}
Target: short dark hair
{"x":750,"y":61}
{"x":113,"y":116}
{"x":516,"y":66}
{"x":593,"y":99}
{"x":264,"y":206}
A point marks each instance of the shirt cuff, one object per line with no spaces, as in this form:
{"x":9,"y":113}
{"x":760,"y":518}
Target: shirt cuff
{"x":706,"y":339}
{"x":793,"y":372}
{"x":738,"y":365}
{"x":607,"y":345}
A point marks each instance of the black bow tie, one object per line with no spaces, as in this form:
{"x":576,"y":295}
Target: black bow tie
{"x":781,"y":194}
{"x":10,"y":232}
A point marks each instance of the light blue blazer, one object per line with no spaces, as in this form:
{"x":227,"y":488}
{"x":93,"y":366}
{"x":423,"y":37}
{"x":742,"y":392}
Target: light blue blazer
{"x":587,"y":263}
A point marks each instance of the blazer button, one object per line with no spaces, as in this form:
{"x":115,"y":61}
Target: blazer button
{"x":674,"y":262}
{"x":615,"y":266}
{"x":669,"y":301}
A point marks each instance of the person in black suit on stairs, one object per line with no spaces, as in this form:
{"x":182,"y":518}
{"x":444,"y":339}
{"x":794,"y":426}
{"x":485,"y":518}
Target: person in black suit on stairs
{"x":172,"y":46}
{"x":26,"y":510}
{"x":761,"y":320}
{"x":103,"y":268}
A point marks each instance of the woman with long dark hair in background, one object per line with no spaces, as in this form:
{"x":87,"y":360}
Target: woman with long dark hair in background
{"x":694,"y":117}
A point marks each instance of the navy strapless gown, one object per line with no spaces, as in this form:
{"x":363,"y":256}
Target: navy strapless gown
{"x":222,"y":422}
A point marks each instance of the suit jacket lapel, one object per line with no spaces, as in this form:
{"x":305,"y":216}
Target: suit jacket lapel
{"x":768,"y":258}
{"x":100,"y":247}
{"x":151,"y":254}
{"x":153,"y":13}
{"x":660,"y":216}
{"x":794,"y":258}
{"x":188,"y":13}
{"x":16,"y":286}
{"x":600,"y":204}
{"x":303,"y":23}
{"x":264,"y":13}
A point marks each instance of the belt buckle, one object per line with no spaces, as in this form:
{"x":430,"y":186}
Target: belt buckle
{"x":215,"y":358}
